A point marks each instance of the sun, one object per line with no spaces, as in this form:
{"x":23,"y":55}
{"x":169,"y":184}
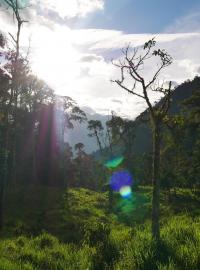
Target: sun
{"x":55,"y":57}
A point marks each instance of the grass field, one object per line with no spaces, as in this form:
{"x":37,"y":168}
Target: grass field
{"x":78,"y":232}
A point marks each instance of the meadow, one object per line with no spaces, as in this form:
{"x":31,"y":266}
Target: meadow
{"x":78,"y":232}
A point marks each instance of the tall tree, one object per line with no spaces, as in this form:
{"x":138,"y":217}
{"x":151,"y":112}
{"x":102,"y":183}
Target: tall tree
{"x":95,"y":127}
{"x":121,"y":131}
{"x":131,"y":67}
{"x":17,"y":67}
{"x":67,"y":165}
{"x":30,"y":120}
{"x":79,"y":148}
{"x":15,"y":63}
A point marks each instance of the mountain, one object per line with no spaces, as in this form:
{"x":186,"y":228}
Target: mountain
{"x":142,"y":140}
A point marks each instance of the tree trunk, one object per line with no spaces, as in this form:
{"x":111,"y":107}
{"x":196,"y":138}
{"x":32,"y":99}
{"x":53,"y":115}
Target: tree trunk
{"x":3,"y":176}
{"x":169,"y":196}
{"x":1,"y":208}
{"x":156,"y":181}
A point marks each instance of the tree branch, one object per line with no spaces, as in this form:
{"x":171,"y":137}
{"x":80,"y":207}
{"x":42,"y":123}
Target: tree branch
{"x":127,"y":89}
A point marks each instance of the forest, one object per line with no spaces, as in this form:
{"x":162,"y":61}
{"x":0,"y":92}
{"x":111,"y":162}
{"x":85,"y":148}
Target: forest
{"x":132,"y":204}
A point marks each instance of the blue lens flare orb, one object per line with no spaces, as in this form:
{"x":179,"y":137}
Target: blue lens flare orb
{"x":121,"y":182}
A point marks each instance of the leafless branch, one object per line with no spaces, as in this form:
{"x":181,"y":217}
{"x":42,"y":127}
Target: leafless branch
{"x":15,"y":41}
{"x":130,"y":91}
{"x":132,"y":65}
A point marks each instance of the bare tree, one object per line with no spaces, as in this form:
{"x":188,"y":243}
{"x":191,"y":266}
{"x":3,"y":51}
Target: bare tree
{"x":15,"y":8}
{"x":132,"y":72}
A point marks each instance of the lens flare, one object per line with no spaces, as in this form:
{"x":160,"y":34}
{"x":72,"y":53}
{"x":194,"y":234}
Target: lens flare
{"x":125,"y":191}
{"x":111,"y":164}
{"x":120,"y":179}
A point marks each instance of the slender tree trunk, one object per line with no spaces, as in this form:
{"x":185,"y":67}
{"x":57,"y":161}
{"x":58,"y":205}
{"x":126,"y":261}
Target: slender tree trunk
{"x":98,"y":141}
{"x":169,"y":196}
{"x":1,"y":207}
{"x":110,"y":142}
{"x":34,"y":151}
{"x":3,"y":178}
{"x":156,"y":181}
{"x":3,"y":175}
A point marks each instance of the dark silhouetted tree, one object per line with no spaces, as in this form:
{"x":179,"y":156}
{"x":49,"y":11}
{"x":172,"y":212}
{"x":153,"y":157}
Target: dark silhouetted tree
{"x":95,"y":127}
{"x":132,"y":74}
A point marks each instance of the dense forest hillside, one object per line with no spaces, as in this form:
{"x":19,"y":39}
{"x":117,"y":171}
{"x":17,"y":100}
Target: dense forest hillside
{"x":142,"y":143}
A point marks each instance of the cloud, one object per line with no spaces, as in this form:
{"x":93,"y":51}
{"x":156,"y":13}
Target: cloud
{"x":198,"y":70}
{"x":116,"y":101}
{"x":103,"y":39}
{"x":90,"y":58}
{"x":100,"y":93}
{"x":66,"y":8}
{"x":48,"y":12}
{"x":187,"y":23}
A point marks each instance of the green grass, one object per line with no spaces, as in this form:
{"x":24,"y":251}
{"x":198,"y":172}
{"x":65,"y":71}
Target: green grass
{"x":119,"y":248}
{"x":44,"y":252}
{"x":33,"y":210}
{"x":86,"y":236}
{"x":179,"y":247}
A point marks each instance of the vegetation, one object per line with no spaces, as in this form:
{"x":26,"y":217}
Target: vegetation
{"x":89,"y":238}
{"x":62,"y":208}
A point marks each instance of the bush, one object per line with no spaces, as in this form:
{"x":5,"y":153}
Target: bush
{"x":45,"y":240}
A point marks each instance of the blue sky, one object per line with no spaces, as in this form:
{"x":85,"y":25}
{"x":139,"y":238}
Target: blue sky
{"x":138,"y":16}
{"x":73,"y":41}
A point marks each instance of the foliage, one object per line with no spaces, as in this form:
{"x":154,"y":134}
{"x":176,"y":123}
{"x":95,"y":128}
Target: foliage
{"x":120,"y":248}
{"x":178,"y":249}
{"x":44,"y":252}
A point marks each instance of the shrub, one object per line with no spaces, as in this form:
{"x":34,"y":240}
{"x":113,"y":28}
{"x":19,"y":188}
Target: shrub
{"x":45,"y":253}
{"x":45,"y":240}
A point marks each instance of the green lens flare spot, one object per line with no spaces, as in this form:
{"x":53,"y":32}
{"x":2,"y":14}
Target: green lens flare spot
{"x":125,"y":191}
{"x":114,"y":163}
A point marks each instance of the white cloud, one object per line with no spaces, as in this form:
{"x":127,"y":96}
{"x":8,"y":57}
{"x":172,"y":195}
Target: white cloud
{"x":98,"y":39}
{"x":67,"y":8}
{"x":183,"y":47}
{"x":187,"y":23}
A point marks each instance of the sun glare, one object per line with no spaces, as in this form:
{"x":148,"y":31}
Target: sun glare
{"x":56,"y":60}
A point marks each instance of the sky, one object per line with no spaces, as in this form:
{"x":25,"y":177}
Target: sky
{"x":72,"y":43}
